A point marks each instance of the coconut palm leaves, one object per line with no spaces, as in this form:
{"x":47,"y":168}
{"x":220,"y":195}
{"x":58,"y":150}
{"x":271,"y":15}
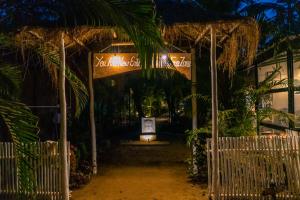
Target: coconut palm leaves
{"x":135,"y":18}
{"x":52,"y":63}
{"x":9,"y":80}
{"x":20,"y":123}
{"x":279,"y":18}
{"x":17,"y":118}
{"x":22,"y":126}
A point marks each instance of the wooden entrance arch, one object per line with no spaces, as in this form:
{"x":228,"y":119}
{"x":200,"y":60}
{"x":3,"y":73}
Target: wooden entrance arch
{"x":109,"y":64}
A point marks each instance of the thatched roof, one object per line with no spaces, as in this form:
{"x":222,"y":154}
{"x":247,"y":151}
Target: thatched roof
{"x":180,"y":22}
{"x":186,"y":20}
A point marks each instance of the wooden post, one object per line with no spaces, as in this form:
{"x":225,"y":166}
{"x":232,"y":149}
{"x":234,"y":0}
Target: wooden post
{"x":63,"y":120}
{"x":214,"y":97}
{"x":257,"y":101}
{"x":291,"y":89}
{"x":92,"y":114}
{"x":194,"y":107}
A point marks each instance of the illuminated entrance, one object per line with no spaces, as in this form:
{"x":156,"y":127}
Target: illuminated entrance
{"x":106,"y":64}
{"x":109,"y":64}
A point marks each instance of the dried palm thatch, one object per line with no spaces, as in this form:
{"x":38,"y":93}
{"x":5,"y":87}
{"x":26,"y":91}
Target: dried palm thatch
{"x":32,"y":36}
{"x":238,"y":39}
{"x":45,"y":41}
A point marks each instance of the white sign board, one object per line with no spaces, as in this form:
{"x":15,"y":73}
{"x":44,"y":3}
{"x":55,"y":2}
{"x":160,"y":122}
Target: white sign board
{"x":148,"y":125}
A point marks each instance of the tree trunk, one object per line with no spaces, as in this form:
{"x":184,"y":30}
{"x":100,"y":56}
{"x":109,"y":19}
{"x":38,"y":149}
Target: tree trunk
{"x":194,"y":108}
{"x":92,"y":115}
{"x":63,"y":121}
{"x":214,"y":109}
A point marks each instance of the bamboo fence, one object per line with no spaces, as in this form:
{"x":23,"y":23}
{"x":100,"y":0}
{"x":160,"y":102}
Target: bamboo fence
{"x":256,"y":167}
{"x":46,"y":174}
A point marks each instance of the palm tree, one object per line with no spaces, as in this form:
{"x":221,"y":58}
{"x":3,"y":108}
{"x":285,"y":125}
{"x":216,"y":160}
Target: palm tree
{"x":278,"y":19}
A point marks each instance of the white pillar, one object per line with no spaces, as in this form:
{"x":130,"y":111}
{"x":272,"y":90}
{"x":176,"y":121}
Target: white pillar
{"x":194,"y":107}
{"x":214,"y":109}
{"x":63,"y":121}
{"x":92,"y":114}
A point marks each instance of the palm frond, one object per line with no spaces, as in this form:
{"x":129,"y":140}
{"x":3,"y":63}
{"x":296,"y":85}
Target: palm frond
{"x":270,"y":77}
{"x":197,"y":96}
{"x":265,"y":113}
{"x":22,"y":126}
{"x":5,"y":41}
{"x":136,"y":18}
{"x":192,"y":135}
{"x":10,"y":79}
{"x":52,"y":61}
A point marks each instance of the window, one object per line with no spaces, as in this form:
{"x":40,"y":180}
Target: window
{"x":277,"y":101}
{"x":265,"y":71}
{"x":297,"y":108}
{"x":297,"y":74}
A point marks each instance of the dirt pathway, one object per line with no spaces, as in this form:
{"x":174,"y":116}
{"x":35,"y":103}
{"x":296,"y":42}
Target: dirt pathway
{"x":141,"y":183}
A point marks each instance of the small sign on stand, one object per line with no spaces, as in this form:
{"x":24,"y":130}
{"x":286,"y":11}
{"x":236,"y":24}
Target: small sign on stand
{"x":148,"y":129}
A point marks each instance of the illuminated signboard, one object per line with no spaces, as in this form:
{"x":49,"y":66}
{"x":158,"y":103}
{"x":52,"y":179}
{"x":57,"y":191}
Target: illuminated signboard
{"x":109,"y":64}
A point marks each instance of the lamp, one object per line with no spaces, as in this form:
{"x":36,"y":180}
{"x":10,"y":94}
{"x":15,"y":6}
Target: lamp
{"x":116,"y":61}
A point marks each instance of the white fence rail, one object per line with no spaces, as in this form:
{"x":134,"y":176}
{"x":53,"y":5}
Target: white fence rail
{"x":252,"y":166}
{"x":46,"y":170}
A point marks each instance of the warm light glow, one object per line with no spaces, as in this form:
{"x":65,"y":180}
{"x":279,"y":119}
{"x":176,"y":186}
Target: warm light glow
{"x":147,"y":138}
{"x":116,"y":61}
{"x":164,"y":57}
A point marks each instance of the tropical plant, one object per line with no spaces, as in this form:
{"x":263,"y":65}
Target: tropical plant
{"x":278,"y":19}
{"x":18,"y":120}
{"x":152,"y":101}
{"x":242,"y":120}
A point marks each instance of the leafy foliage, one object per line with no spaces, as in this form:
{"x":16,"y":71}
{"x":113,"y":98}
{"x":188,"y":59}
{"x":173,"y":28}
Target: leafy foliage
{"x":198,"y":138}
{"x":242,"y":119}
{"x":52,"y":61}
{"x":21,"y":125}
{"x":18,"y":118}
{"x":137,"y":19}
{"x":9,"y":80}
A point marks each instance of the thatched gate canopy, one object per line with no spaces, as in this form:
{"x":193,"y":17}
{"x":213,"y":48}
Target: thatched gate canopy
{"x":237,"y":37}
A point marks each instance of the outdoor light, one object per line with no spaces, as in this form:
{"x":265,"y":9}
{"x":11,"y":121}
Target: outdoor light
{"x":116,"y":61}
{"x":164,"y":57}
{"x":147,"y":138}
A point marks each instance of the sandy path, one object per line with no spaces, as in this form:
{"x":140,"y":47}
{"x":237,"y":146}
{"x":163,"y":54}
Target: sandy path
{"x":141,"y":183}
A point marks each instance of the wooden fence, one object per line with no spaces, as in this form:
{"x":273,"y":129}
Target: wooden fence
{"x":251,"y":167}
{"x":46,"y":171}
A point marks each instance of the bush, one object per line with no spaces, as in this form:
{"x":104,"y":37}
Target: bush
{"x":79,"y":174}
{"x":199,"y":137}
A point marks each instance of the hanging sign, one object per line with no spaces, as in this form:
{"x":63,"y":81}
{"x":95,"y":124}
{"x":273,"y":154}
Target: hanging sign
{"x":109,"y":64}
